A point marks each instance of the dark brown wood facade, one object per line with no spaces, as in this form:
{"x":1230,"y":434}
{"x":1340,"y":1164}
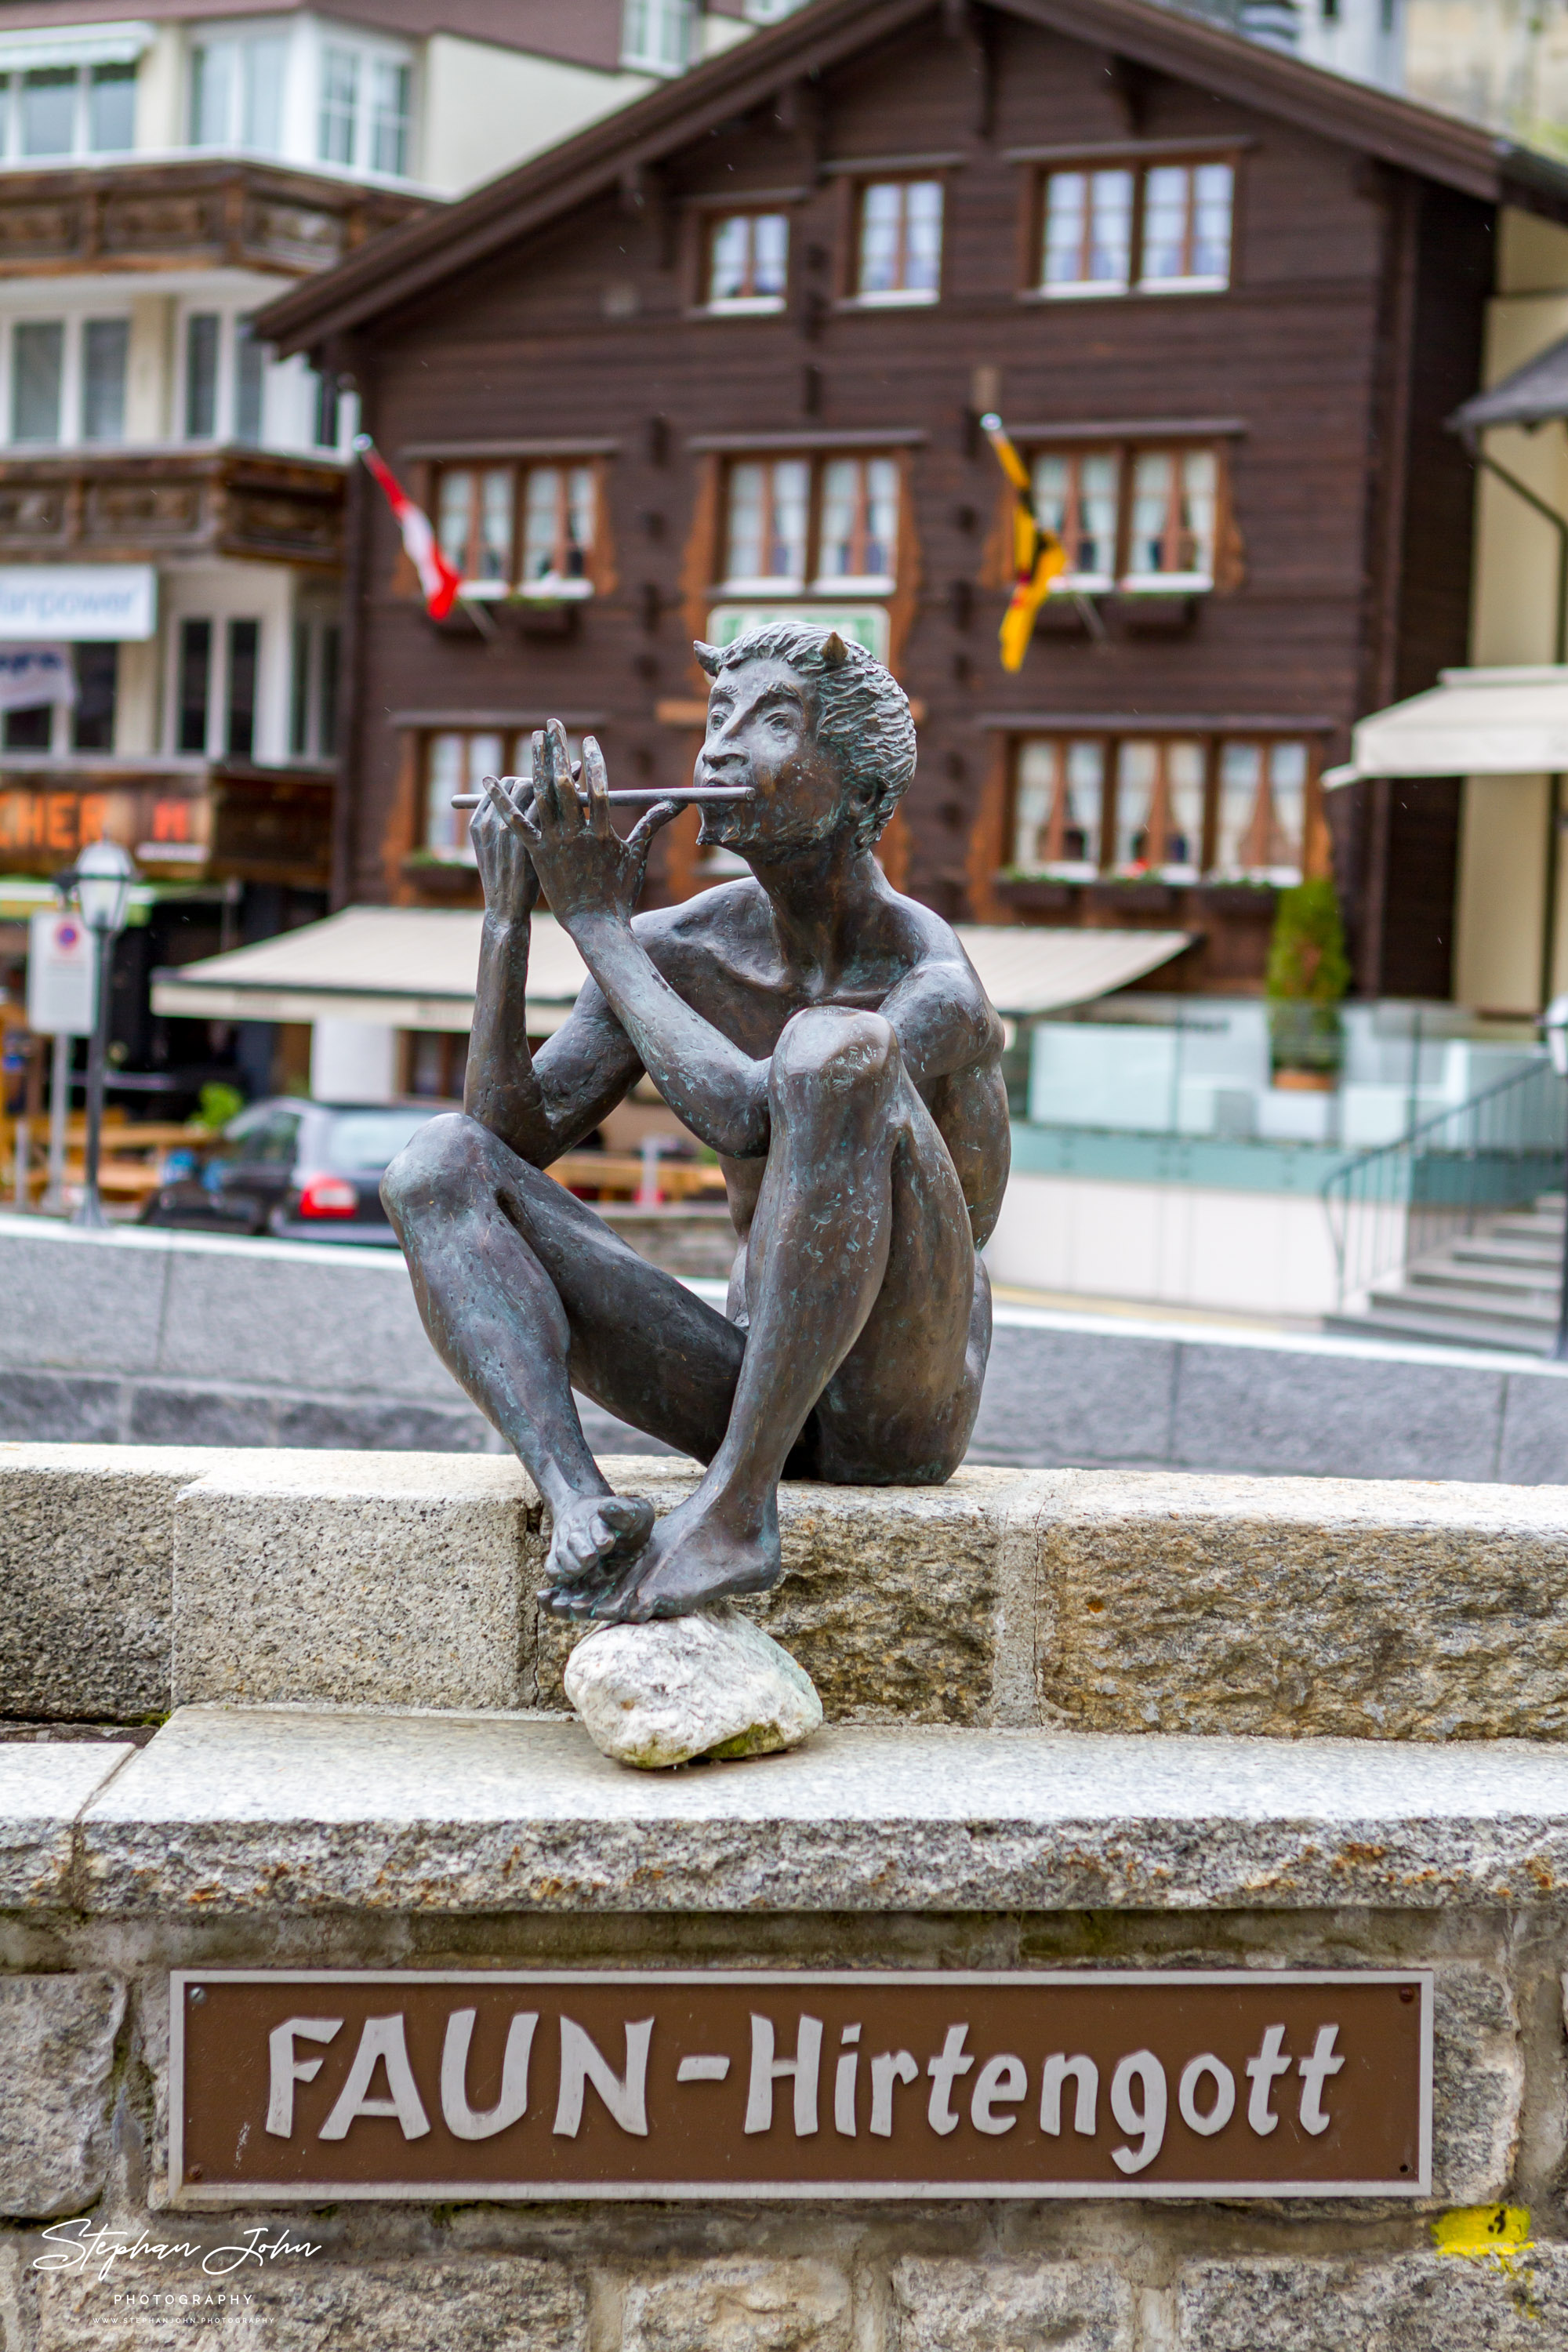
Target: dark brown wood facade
{"x":1315,"y":382}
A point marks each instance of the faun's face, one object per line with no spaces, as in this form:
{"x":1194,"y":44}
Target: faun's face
{"x":762,"y":735}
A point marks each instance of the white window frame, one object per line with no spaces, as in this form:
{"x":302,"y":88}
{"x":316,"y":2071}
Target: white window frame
{"x":308,"y":39}
{"x":636,"y":60}
{"x":70,"y":48}
{"x":72,"y":371}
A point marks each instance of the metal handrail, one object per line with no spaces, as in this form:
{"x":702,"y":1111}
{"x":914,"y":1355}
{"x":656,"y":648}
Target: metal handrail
{"x":1495,"y":1151}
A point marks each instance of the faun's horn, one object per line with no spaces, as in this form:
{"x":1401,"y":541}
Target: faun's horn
{"x":708,"y":658}
{"x":835,"y":653}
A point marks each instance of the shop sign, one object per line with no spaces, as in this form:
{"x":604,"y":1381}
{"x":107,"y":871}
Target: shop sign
{"x":46,"y":829}
{"x":61,"y":968}
{"x":863,"y":624}
{"x":322,"y":2084}
{"x":78,"y":603}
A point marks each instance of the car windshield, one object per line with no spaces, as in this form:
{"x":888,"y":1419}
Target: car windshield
{"x":370,"y":1139}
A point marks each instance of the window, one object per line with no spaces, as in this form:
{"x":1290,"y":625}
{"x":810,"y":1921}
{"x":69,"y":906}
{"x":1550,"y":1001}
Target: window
{"x":859,"y":523}
{"x":557,"y":524}
{"x":313,"y":691}
{"x":340,"y":105}
{"x":236,"y":92}
{"x":1088,"y":232}
{"x":1164,"y":228}
{"x":765,"y":543}
{"x":111,"y":109}
{"x":202,"y":332}
{"x":831,"y":522}
{"x":526,"y":528}
{"x":656,"y":36}
{"x":244,"y":650}
{"x":746,"y":262}
{"x":49,"y":112}
{"x":106,"y":343}
{"x":193,"y":686}
{"x":97,"y":678}
{"x":900,"y":241}
{"x":1171,"y":538}
{"x":250,"y":359}
{"x":37,"y":374}
{"x":456,"y":762}
{"x":474,"y":523}
{"x":29,"y":730}
{"x":1079,"y":496}
{"x":390,"y":88}
{"x":328,"y":420}
{"x":1176,"y":807}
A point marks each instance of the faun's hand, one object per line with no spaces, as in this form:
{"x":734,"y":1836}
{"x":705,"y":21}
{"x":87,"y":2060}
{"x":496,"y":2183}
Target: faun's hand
{"x":502,"y":852}
{"x":585,"y":866}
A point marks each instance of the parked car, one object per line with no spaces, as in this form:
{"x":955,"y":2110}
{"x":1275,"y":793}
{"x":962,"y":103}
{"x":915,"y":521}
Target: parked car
{"x":306,"y":1171}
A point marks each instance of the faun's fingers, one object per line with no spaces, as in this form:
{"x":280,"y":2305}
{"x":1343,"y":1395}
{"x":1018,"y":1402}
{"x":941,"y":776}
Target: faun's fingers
{"x":506,"y":809}
{"x":567,"y":808}
{"x":598,"y":784}
{"x":543,"y":786}
{"x":643,"y":832}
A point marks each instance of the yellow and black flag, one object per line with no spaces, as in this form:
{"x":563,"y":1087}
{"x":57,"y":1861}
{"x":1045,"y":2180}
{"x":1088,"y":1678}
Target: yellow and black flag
{"x":1037,"y":553}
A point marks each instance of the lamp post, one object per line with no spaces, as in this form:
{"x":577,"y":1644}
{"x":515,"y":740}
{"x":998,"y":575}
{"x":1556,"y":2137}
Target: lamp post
{"x":103,"y":876}
{"x":1554,"y":1022}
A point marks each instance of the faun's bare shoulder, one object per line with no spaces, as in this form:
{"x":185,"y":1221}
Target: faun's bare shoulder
{"x":698,"y":930}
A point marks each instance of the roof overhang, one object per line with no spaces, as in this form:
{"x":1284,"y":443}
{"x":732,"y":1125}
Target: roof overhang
{"x":408,"y":263}
{"x":1474,"y":723}
{"x":1535,"y":393}
{"x":417,"y":967}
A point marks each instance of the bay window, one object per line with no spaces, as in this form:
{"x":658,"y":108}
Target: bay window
{"x":237,"y":91}
{"x":1153,"y":229}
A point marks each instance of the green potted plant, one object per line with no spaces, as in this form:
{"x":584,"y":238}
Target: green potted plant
{"x":1308,"y":973}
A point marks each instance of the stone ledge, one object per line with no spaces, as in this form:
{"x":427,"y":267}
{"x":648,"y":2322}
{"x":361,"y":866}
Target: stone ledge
{"x":288,"y":1810}
{"x":43,"y":1789}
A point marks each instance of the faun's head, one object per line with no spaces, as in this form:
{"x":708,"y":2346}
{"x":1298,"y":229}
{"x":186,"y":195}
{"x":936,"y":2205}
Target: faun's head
{"x":794,"y":709}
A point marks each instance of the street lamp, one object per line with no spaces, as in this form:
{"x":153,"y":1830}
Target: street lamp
{"x":103,"y":876}
{"x":1554,"y":1022}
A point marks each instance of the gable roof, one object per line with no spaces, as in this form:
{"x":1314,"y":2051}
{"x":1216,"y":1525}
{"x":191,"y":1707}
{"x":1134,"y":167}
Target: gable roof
{"x":408,"y":262}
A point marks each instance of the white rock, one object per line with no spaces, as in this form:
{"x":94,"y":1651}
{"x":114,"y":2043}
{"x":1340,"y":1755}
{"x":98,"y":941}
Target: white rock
{"x":713,"y":1685}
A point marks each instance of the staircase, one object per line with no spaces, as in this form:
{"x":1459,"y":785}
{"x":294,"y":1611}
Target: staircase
{"x":1494,"y":1287}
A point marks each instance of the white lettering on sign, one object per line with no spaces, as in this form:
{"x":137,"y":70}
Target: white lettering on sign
{"x":1085,"y":2077}
{"x":1207,"y":2122}
{"x":582,"y":2063}
{"x":1265,"y":2071}
{"x":382,"y":2043}
{"x":1000,"y":2079}
{"x":284,"y":2069}
{"x":703,"y":2070}
{"x":461,"y":2120}
{"x":892,"y":2066}
{"x":845,"y":2079}
{"x":1145,"y":2116}
{"x":950,"y":2062}
{"x":1313,"y":2069}
{"x":766,"y":2070}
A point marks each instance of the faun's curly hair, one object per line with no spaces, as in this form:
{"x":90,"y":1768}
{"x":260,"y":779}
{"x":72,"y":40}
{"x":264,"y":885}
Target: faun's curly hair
{"x":863,"y":720}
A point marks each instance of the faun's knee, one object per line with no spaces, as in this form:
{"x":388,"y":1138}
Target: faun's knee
{"x":438,"y":1162}
{"x":833,"y":1048}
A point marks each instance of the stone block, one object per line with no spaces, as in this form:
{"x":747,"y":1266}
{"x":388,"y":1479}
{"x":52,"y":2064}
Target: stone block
{"x":1395,"y":2302}
{"x":167,"y":1413}
{"x":1305,"y":1607}
{"x":368,"y":1426}
{"x":1478,"y":2087}
{"x":1060,"y":1396}
{"x":81,"y":1302}
{"x":63,"y":1408}
{"x":299,"y":1317}
{"x":740,"y":2306}
{"x":1535,"y":1448}
{"x":954,"y":2305}
{"x":1287,"y":1410}
{"x":891,"y":1597}
{"x":86,"y":1565}
{"x":498,"y":2303}
{"x":57,"y":2069}
{"x":43,"y":1788}
{"x":373,"y":1579}
{"x":281,"y":1811}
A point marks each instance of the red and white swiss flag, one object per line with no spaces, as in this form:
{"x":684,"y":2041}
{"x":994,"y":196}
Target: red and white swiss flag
{"x":439,"y":582}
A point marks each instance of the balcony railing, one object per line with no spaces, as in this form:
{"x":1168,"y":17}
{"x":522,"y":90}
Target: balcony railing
{"x":131,"y":505}
{"x":1495,"y":1152}
{"x":206,"y":214}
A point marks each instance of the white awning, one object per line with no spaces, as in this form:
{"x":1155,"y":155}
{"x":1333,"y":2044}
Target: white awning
{"x":74,"y":44}
{"x":1475,"y":722}
{"x":415,"y":968}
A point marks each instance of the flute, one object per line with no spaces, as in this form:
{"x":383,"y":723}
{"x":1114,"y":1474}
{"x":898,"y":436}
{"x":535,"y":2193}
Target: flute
{"x":640,"y":797}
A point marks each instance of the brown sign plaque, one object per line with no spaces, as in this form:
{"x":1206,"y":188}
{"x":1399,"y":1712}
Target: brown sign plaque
{"x":329,"y":2083}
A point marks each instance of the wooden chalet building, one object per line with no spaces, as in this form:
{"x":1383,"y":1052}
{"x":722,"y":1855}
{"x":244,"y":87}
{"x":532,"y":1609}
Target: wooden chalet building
{"x":726,"y":354}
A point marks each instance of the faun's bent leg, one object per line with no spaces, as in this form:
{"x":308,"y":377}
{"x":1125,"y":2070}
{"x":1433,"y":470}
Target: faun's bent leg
{"x":524,"y":1292}
{"x":860,"y":1286}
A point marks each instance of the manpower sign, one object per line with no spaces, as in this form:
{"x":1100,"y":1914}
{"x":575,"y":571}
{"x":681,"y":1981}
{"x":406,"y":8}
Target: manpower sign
{"x":77,"y":604}
{"x":323,"y":2084}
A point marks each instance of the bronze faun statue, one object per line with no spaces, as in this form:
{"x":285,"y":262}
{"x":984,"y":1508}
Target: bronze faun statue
{"x":829,"y":1040}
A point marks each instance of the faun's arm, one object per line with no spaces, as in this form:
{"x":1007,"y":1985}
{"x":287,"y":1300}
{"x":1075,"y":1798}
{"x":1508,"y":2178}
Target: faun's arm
{"x":718,"y":1091}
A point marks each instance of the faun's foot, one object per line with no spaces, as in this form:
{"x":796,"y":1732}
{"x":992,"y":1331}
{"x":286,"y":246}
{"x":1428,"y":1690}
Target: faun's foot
{"x":690,"y":1562}
{"x":594,"y":1540}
